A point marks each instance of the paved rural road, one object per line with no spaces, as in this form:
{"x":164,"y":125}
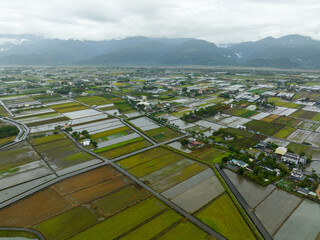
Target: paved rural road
{"x":7,"y":109}
{"x":245,"y":205}
{"x":22,"y":135}
{"x":38,"y":234}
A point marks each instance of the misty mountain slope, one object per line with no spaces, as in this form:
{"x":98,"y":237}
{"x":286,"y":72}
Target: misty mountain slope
{"x":285,"y":52}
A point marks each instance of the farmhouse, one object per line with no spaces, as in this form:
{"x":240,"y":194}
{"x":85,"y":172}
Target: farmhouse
{"x":297,"y":174}
{"x":291,"y":158}
{"x":239,"y":163}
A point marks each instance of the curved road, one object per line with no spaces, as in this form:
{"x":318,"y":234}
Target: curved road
{"x":35,"y":232}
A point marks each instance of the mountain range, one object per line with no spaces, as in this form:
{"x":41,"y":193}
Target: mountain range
{"x":291,"y":51}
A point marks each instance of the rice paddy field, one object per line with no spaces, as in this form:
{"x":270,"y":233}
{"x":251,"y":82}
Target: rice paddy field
{"x":284,"y":132}
{"x":209,"y":154}
{"x":162,"y":134}
{"x":68,"y":107}
{"x":266,"y":128}
{"x":241,"y":112}
{"x":61,"y":154}
{"x":223,"y":216}
{"x":93,"y":100}
{"x":99,"y":204}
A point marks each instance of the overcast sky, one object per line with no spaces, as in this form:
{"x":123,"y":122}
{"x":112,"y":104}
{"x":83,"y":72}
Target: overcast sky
{"x":219,"y":21}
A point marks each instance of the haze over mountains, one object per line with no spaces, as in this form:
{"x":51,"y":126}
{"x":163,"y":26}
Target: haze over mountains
{"x":292,"y":51}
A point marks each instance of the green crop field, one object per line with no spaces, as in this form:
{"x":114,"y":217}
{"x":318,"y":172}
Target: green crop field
{"x":117,"y":145}
{"x":266,"y":128}
{"x":297,"y":148}
{"x":316,"y":117}
{"x":125,"y":149}
{"x":120,"y":200}
{"x":178,"y":177}
{"x":124,"y":221}
{"x":3,"y":112}
{"x":6,"y":140}
{"x":303,"y":114}
{"x":154,"y":227}
{"x":93,"y":100}
{"x":223,"y":216}
{"x":288,"y":104}
{"x":59,"y":227}
{"x":68,"y":107}
{"x":142,"y":157}
{"x":109,"y":132}
{"x":44,"y":122}
{"x":185,"y":231}
{"x":209,"y":154}
{"x":285,"y":132}
{"x":162,"y":134}
{"x":155,"y":164}
{"x":287,"y":121}
{"x":16,"y":235}
{"x":47,"y":139}
{"x":241,"y":112}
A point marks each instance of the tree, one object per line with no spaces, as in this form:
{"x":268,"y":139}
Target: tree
{"x":94,"y":143}
{"x":184,"y":142}
{"x":241,"y":171}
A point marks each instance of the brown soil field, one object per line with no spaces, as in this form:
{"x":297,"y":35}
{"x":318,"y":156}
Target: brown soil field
{"x":33,"y":209}
{"x":84,"y":180}
{"x":98,"y":190}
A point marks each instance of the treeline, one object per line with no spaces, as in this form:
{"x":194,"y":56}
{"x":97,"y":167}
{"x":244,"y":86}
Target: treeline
{"x":7,"y":131}
{"x":204,"y":112}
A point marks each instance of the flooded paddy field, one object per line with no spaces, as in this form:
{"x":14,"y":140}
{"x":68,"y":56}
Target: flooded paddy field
{"x":252,"y":192}
{"x":105,"y":205}
{"x":274,"y":210}
{"x":304,"y":223}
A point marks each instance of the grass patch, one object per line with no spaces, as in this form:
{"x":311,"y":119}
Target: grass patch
{"x":223,"y":216}
{"x":266,"y":128}
{"x":123,"y":221}
{"x":68,"y":223}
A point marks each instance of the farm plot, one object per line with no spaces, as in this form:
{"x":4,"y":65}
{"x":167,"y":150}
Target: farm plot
{"x":162,"y":134}
{"x":177,"y":145}
{"x":211,"y":125}
{"x":81,"y":113}
{"x":68,"y":107}
{"x":240,"y":112}
{"x":114,"y":207}
{"x":100,"y":126}
{"x":17,"y":155}
{"x":47,"y":126}
{"x":303,"y":114}
{"x":234,"y":121}
{"x":184,"y":230}
{"x":88,"y":119}
{"x":311,"y":108}
{"x":287,"y":121}
{"x":274,"y":210}
{"x":218,"y":117}
{"x":283,"y":111}
{"x":182,"y":124}
{"x":199,"y":195}
{"x":34,"y":112}
{"x":23,"y":173}
{"x":260,"y":116}
{"x":284,"y":132}
{"x":154,"y":226}
{"x":299,"y":135}
{"x":223,"y":216}
{"x":61,"y":153}
{"x":252,"y":192}
{"x":209,"y":154}
{"x":3,"y":112}
{"x":263,"y":127}
{"x":144,"y":123}
{"x":93,"y":100}
{"x":38,"y":118}
{"x":124,"y":148}
{"x":314,"y":139}
{"x":308,"y":126}
{"x":304,"y":223}
{"x":123,"y":221}
{"x":279,"y":142}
